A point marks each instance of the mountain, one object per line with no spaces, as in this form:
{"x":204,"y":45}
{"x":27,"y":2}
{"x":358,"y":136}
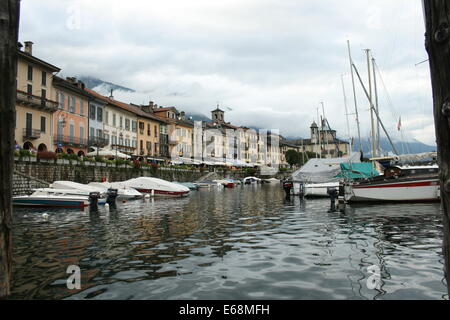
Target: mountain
{"x":402,"y":147}
{"x":92,"y":82}
{"x":197,"y":117}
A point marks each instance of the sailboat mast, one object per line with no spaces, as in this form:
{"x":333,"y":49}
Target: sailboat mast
{"x":323,"y":132}
{"x":376,"y":104}
{"x":318,"y":129}
{"x":372,"y":120}
{"x":354,"y":96}
{"x":346,"y":112}
{"x":376,"y":113}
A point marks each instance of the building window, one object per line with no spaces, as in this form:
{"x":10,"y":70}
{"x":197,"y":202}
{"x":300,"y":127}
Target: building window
{"x":141,"y":144}
{"x":72,"y":104}
{"x":43,"y":93}
{"x":44,"y":78}
{"x":127,"y":124}
{"x":92,"y":112}
{"x":81,"y":134}
{"x":114,"y":119}
{"x":29,"y":89}
{"x":60,"y":97}
{"x":149,"y":131}
{"x":156,"y":132}
{"x":106,"y":136}
{"x":81,"y":108}
{"x":99,"y":114}
{"x":91,"y":133}
{"x":30,"y":73}
{"x":99,"y":133}
{"x":120,"y":122}
{"x":134,"y":126}
{"x":113,"y":140}
{"x":43,"y":124}
{"x":106,"y":117}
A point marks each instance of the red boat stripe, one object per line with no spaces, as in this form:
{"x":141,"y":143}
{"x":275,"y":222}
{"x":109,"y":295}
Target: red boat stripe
{"x":399,"y":185}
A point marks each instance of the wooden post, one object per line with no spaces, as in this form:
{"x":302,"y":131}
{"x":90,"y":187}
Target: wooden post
{"x":437,"y":43}
{"x":9,"y":27}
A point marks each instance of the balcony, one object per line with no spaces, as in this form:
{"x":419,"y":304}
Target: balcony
{"x":29,"y":133}
{"x":36,"y":102}
{"x":70,"y":141}
{"x":123,"y":148}
{"x":98,"y":142}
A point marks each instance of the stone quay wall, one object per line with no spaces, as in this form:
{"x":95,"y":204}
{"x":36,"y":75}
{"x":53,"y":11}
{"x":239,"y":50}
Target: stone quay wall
{"x":30,"y":174}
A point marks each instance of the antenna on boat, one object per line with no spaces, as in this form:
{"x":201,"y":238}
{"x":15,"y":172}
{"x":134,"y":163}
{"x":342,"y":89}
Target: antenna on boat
{"x":354,"y":97}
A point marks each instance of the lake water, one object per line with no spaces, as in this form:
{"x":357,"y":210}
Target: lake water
{"x":242,"y":243}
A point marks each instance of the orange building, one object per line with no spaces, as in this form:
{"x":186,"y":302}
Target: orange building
{"x":70,"y":121}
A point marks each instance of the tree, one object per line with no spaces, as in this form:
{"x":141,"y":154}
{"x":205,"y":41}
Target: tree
{"x":437,"y":43}
{"x":9,"y":29}
{"x":293,"y":157}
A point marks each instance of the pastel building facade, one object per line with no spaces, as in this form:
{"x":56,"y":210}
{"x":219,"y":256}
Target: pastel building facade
{"x":35,"y":103}
{"x":71,"y":119}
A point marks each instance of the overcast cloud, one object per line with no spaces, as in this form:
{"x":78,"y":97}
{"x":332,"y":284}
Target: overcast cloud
{"x":271,"y":61}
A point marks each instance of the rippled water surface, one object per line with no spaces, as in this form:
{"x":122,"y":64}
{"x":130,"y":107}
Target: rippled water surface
{"x":242,"y":243}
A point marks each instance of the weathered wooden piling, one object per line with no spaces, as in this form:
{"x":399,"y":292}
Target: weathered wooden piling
{"x":437,"y":43}
{"x":9,"y":27}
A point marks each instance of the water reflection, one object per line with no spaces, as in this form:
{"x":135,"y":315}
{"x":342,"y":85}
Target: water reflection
{"x":243,"y":243}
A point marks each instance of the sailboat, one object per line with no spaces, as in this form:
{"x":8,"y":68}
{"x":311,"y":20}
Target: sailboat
{"x":398,"y":183}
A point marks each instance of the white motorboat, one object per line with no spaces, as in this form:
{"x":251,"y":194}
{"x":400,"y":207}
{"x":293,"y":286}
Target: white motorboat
{"x":124,"y":192}
{"x":78,"y":189}
{"x":43,"y":198}
{"x":251,"y":180}
{"x":272,"y":181}
{"x":319,"y":189}
{"x":157,"y":187}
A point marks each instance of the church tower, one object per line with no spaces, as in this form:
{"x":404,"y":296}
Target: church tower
{"x":217,"y":115}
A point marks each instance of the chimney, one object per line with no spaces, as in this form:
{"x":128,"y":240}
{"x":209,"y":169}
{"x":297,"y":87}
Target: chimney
{"x":151,"y":104}
{"x":182,"y":115}
{"x":29,"y":47}
{"x":81,"y":85}
{"x":72,"y":80}
{"x":19,"y":46}
{"x":111,"y":95}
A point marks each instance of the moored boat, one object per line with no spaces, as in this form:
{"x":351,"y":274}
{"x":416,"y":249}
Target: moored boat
{"x":42,"y":198}
{"x":124,"y":192}
{"x":397,"y":184}
{"x":157,"y":187}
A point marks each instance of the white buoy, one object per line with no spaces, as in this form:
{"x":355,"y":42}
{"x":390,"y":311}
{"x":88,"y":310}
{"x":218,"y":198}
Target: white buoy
{"x":45,"y":216}
{"x":147,"y":196}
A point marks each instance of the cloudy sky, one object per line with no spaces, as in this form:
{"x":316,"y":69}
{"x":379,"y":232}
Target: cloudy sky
{"x":270,"y":61}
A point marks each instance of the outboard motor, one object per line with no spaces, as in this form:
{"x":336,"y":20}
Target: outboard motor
{"x":287,"y":186}
{"x":93,"y":199}
{"x":111,"y":196}
{"x":333,"y":193}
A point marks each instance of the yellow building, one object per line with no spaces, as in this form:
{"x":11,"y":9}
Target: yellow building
{"x":148,"y":132}
{"x":34,"y":106}
{"x":184,"y":136}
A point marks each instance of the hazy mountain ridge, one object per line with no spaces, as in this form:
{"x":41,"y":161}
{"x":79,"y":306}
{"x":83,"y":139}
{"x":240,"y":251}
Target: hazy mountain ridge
{"x":92,"y":82}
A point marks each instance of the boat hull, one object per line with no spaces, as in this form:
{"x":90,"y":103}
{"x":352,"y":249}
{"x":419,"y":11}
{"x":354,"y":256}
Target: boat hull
{"x":319,"y":190}
{"x":163,"y":193}
{"x":36,"y":202}
{"x":396,"y":191}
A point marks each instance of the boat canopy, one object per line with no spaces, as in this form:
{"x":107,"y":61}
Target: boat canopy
{"x":357,"y":170}
{"x":323,"y":170}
